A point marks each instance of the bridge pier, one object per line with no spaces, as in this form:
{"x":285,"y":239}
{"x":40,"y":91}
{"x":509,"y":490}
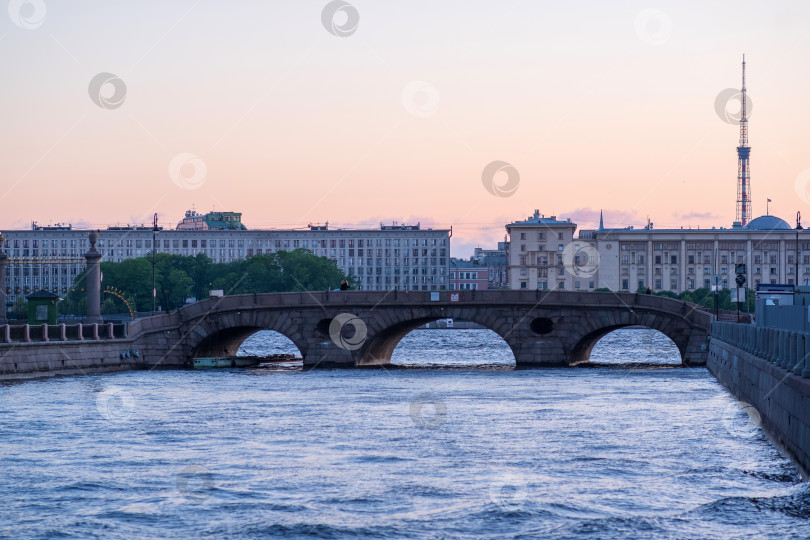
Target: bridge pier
{"x":326,"y":355}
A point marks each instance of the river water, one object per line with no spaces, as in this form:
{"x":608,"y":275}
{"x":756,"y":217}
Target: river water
{"x":634,"y":448}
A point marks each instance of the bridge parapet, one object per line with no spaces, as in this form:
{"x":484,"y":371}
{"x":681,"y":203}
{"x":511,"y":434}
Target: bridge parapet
{"x":25,"y":333}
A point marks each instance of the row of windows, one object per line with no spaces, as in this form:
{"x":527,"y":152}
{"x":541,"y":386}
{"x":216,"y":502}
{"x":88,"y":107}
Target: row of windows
{"x":35,"y":270}
{"x":126,"y":241}
{"x":542,"y":235}
{"x":35,"y":243}
{"x":466,"y":275}
{"x":560,"y":285}
{"x":464,"y":286}
{"x":691,"y":283}
{"x":542,"y":247}
{"x":632,"y":258}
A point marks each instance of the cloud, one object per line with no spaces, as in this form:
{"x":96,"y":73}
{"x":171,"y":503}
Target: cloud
{"x":588,"y":218}
{"x":698,"y":215}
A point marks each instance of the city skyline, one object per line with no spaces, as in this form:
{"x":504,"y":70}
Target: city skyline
{"x":396,"y":118}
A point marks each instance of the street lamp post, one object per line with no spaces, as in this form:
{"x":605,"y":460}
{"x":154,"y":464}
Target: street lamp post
{"x":798,"y":228}
{"x":154,"y":250}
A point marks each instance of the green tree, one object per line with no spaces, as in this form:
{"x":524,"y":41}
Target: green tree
{"x":19,"y":310}
{"x":178,"y":278}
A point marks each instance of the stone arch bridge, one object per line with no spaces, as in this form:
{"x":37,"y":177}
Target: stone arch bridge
{"x":362,"y":328}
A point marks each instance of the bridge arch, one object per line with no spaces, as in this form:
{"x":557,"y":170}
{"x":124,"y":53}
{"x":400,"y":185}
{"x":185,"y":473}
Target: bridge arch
{"x":387,"y":330}
{"x":223,"y":333}
{"x":676,"y":328}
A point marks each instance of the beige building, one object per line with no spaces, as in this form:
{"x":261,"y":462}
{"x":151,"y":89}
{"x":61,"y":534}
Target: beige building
{"x":686,"y":259}
{"x":404,"y":257}
{"x":543,"y":254}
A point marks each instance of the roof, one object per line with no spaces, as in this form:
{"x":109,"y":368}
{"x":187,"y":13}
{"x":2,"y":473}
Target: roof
{"x":455,"y":263}
{"x":43,"y":294}
{"x":768,"y":223}
{"x":552,"y":221}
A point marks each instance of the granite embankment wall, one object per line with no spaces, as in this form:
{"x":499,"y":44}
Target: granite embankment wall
{"x":768,"y":368}
{"x":44,"y":351}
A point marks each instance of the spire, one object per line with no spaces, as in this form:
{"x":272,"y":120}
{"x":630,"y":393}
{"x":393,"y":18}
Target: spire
{"x":601,"y":222}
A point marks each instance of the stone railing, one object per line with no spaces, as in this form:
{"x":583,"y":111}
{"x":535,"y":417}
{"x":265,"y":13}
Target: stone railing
{"x":784,"y":348}
{"x":26,"y":333}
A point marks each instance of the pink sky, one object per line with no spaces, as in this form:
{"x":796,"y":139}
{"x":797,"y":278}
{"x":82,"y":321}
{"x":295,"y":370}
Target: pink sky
{"x":597,"y":105}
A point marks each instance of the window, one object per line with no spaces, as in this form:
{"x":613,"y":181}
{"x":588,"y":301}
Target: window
{"x":673,"y":259}
{"x":523,"y":236}
{"x":522,"y":284}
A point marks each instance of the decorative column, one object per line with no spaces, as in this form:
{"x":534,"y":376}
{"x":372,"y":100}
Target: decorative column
{"x":93,"y":281}
{"x":3,"y":265}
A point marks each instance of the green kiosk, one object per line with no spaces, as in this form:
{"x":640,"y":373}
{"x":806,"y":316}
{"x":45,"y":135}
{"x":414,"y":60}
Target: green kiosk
{"x":42,"y":307}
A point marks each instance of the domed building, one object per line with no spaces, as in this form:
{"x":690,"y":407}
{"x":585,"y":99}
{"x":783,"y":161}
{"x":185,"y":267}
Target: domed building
{"x":689,"y":258}
{"x":768,"y":223}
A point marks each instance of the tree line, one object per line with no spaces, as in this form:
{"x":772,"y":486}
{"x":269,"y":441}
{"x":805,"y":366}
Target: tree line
{"x":704,"y":297}
{"x":179,"y":277}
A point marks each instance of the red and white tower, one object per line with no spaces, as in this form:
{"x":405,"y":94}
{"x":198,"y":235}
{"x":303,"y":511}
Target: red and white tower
{"x":743,"y":166}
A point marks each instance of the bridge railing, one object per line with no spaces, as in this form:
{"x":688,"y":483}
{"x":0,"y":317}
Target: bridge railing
{"x":25,"y":333}
{"x":785,"y":348}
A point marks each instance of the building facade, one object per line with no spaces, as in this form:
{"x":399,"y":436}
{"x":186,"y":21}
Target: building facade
{"x":468,"y":276}
{"x":495,"y":261}
{"x":404,"y":257}
{"x":542,"y":253}
{"x":680,"y":260}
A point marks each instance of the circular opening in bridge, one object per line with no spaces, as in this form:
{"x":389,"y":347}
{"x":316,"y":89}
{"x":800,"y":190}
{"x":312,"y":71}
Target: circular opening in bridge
{"x":323,"y":326}
{"x":464,"y":345}
{"x":542,"y":325}
{"x":635,"y":346}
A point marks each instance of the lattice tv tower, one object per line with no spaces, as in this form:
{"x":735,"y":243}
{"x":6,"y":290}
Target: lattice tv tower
{"x":743,"y":166}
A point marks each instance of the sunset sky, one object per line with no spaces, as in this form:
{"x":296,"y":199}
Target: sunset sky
{"x":256,"y":106}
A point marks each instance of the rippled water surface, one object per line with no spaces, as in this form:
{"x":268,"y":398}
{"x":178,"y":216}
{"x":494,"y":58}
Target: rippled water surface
{"x":616,"y":451}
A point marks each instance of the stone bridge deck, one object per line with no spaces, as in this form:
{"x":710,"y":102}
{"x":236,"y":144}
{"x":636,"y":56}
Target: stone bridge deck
{"x":362,"y":328}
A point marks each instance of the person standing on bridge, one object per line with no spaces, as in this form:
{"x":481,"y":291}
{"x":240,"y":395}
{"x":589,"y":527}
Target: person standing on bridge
{"x":344,"y":285}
